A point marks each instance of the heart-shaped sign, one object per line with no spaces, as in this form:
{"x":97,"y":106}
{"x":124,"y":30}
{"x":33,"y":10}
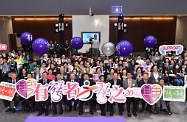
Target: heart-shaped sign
{"x":151,"y":93}
{"x":26,"y":88}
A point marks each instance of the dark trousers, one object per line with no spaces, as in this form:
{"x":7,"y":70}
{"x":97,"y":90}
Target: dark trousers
{"x":54,"y":104}
{"x":102,"y":108}
{"x":69,"y":103}
{"x":129,"y":101}
{"x":120,"y":107}
{"x":44,"y":106}
{"x":91,"y":105}
{"x":16,"y":100}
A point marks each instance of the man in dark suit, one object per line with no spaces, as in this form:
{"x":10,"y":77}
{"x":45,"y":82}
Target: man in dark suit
{"x":16,"y":98}
{"x":44,"y":106}
{"x":64,"y":75}
{"x":129,"y":83}
{"x":54,"y":104}
{"x":145,"y":80}
{"x":91,"y":101}
{"x":37,"y":75}
{"x":116,"y":81}
{"x":39,"y":62}
{"x":69,"y":102}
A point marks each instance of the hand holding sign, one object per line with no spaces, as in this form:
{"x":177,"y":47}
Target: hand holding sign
{"x":165,"y":48}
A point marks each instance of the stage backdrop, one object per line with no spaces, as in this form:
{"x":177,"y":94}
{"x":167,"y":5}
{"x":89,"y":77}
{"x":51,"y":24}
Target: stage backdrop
{"x":86,"y":23}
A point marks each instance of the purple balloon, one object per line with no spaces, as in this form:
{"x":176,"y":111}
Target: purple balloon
{"x":77,"y":43}
{"x":124,"y":48}
{"x":150,"y":41}
{"x":26,"y":38}
{"x":40,"y":46}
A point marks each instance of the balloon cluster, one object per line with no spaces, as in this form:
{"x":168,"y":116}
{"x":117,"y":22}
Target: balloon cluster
{"x":123,"y":48}
{"x":41,"y":45}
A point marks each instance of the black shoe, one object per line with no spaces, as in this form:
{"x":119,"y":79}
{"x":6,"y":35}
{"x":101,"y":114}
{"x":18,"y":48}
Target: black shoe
{"x":141,"y":110}
{"x":61,"y":112}
{"x":13,"y":110}
{"x":55,"y":113}
{"x":40,"y":113}
{"x":70,"y":109}
{"x":46,"y":113}
{"x":120,"y":114}
{"x":111,"y":114}
{"x":74,"y":108}
{"x":103,"y":114}
{"x":91,"y":112}
{"x":80,"y":113}
{"x":135,"y":114}
{"x":129,"y":114}
{"x":168,"y":112}
{"x":8,"y":109}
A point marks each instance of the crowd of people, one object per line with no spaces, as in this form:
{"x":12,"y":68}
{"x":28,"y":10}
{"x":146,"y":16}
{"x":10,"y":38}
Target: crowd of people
{"x":127,"y":72}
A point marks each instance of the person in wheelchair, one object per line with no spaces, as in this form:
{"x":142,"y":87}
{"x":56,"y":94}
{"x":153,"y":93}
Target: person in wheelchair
{"x":161,"y":104}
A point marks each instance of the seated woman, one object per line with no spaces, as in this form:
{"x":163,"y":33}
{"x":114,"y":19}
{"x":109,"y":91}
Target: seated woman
{"x":161,"y":102}
{"x":176,"y":71}
{"x":50,"y":75}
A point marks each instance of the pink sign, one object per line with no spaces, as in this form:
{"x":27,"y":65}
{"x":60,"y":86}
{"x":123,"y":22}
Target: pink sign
{"x":3,"y":47}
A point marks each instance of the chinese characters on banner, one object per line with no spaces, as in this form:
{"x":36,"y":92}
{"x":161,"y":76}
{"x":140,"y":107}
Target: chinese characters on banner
{"x":104,"y":91}
{"x":7,"y":91}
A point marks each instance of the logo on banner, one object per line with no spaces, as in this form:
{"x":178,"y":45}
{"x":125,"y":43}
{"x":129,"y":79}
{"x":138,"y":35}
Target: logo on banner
{"x":165,"y":48}
{"x":3,"y":46}
{"x":26,"y":88}
{"x":151,"y":93}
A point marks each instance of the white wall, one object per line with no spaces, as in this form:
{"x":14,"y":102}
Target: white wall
{"x":5,"y":29}
{"x":86,"y":23}
{"x":181,"y":31}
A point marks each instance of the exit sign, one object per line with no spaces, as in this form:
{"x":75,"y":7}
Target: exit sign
{"x":116,"y":9}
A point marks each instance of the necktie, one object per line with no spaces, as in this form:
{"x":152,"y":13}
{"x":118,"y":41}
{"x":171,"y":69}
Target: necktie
{"x":129,"y":84}
{"x":72,"y":80}
{"x":44,"y":82}
{"x":13,"y":82}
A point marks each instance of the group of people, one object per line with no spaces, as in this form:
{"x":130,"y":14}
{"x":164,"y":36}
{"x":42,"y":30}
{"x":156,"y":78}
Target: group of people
{"x":127,"y":72}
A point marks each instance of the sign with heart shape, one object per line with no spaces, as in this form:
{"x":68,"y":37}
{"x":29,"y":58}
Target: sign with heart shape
{"x":151,"y":93}
{"x":26,"y":88}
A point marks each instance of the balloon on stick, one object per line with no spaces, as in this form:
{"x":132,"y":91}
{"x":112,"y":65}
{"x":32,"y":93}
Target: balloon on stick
{"x":77,"y":43}
{"x":26,"y":38}
{"x":150,"y":41}
{"x":108,"y":48}
{"x":40,"y":46}
{"x":124,"y":48}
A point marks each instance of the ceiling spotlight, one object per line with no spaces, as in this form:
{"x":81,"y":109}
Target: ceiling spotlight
{"x":115,"y":24}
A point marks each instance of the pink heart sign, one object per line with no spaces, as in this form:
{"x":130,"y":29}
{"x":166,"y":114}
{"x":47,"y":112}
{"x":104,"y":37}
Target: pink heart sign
{"x":151,"y":93}
{"x":26,"y":88}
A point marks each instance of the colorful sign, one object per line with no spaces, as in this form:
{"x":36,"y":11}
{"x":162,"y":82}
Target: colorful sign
{"x":151,"y":93}
{"x":174,"y":93}
{"x":7,"y":91}
{"x":104,"y":91}
{"x":165,"y":48}
{"x":3,"y":46}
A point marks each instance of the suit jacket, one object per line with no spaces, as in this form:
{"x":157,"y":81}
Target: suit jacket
{"x":119,"y":82}
{"x":40,"y":63}
{"x":76,"y":80}
{"x":10,"y":80}
{"x":35,"y":76}
{"x":153,"y":80}
{"x":125,"y":83}
{"x":42,"y":81}
{"x":141,"y":83}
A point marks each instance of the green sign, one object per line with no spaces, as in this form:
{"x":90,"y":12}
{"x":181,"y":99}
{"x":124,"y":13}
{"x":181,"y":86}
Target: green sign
{"x":174,"y":93}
